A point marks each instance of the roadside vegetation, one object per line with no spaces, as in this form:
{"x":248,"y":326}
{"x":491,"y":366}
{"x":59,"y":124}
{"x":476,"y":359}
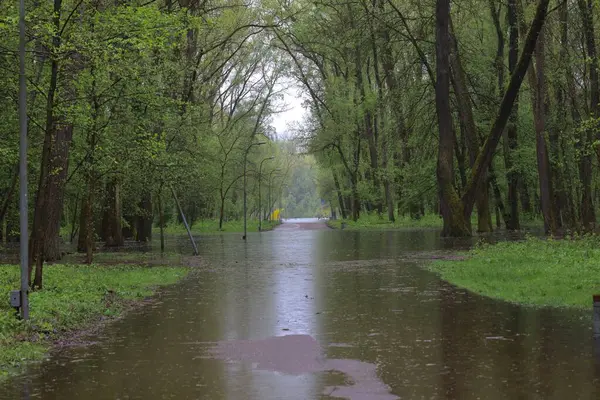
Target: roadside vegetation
{"x":373,"y":221}
{"x":75,"y":297}
{"x":212,"y":227}
{"x":560,"y":273}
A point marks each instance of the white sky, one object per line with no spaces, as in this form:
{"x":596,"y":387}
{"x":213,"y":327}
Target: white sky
{"x":292,"y":103}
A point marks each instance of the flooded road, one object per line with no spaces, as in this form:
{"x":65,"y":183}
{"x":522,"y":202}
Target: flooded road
{"x":305,"y":312}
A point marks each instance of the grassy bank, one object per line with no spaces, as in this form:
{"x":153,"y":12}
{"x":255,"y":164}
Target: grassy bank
{"x":535,"y":272}
{"x":378,"y":222}
{"x":74,"y":297}
{"x":373,"y":221}
{"x":212,"y":226}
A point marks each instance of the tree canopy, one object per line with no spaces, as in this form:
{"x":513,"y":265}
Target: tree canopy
{"x":411,"y":108}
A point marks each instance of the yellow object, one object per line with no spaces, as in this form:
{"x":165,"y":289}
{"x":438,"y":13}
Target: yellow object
{"x":275,"y":214}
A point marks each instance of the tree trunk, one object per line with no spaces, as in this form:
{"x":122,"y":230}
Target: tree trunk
{"x":510,"y":137}
{"x":484,"y":160}
{"x":588,"y":215}
{"x":355,"y":200}
{"x":371,"y":138}
{"x":161,"y":223}
{"x":339,"y":194}
{"x":451,"y":204}
{"x":45,"y":233}
{"x":587,"y":16}
{"x":564,"y":216}
{"x":9,"y":193}
{"x":465,"y":112}
{"x":144,"y":219}
{"x":112,"y":229}
{"x":85,"y":242}
{"x":455,"y":223}
{"x":221,"y":212}
{"x":50,"y":195}
{"x":543,"y":162}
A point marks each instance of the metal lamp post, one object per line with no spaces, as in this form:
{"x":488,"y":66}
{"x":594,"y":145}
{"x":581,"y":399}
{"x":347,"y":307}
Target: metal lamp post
{"x":245,"y":196}
{"x":259,"y":196}
{"x":24,"y":300}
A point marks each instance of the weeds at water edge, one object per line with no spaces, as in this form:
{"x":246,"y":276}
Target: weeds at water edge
{"x":74,"y":297}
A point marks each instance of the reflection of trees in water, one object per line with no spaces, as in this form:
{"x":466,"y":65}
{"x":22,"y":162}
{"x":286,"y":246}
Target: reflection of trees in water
{"x":431,"y":340}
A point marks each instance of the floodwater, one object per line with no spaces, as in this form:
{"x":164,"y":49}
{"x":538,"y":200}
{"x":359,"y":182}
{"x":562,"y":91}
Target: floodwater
{"x":305,"y":312}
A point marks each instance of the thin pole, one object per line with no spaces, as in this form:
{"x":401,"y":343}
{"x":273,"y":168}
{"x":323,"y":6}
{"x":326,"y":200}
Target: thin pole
{"x":161,"y":221}
{"x":185,"y":221}
{"x":259,"y":192}
{"x":23,"y":209}
{"x":245,"y":195}
{"x":259,"y":198}
{"x":245,"y":157}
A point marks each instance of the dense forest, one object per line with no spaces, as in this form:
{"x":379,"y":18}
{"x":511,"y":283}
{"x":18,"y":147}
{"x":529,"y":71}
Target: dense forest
{"x":491,"y":108}
{"x":475,"y":107}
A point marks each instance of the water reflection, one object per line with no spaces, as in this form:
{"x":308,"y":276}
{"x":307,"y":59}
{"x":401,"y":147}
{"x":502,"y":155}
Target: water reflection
{"x":358,"y":296}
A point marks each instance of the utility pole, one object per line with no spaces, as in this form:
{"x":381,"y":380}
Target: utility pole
{"x":245,"y":194}
{"x":24,"y":239}
{"x":259,"y":196}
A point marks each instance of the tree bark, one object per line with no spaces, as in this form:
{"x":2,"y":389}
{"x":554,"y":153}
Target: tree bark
{"x":339,"y":194}
{"x":486,"y":155}
{"x":543,"y":161}
{"x":455,"y":223}
{"x":465,"y":112}
{"x":45,"y":233}
{"x":564,"y":215}
{"x":86,"y":240}
{"x":144,"y":219}
{"x":49,"y":207}
{"x":459,"y":225}
{"x":112,"y":229}
{"x":512,"y":176}
{"x":370,"y":135}
{"x":7,"y":197}
{"x":161,"y":222}
{"x":588,"y":215}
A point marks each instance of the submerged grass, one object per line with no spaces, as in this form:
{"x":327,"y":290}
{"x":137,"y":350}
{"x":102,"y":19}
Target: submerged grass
{"x":74,"y":297}
{"x":535,"y":271}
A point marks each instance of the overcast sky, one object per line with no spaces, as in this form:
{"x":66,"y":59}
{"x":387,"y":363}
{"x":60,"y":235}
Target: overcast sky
{"x":292,"y":102}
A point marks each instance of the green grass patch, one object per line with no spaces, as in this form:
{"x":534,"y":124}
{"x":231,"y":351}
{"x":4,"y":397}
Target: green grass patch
{"x":559,"y":273}
{"x":211,"y":226}
{"x":374,"y":221}
{"x":74,"y":297}
{"x":128,"y":257}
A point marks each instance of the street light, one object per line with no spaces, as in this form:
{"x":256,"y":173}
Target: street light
{"x":270,"y":177}
{"x":245,"y":196}
{"x":24,"y":241}
{"x":259,"y":197}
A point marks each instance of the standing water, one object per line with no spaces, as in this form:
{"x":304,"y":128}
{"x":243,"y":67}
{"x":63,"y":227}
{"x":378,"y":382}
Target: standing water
{"x":304,"y":312}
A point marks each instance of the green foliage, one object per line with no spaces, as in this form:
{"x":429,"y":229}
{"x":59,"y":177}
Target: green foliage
{"x":74,"y":296}
{"x":301,"y":197}
{"x":211,"y":226}
{"x":373,"y":221}
{"x":533,"y":272}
